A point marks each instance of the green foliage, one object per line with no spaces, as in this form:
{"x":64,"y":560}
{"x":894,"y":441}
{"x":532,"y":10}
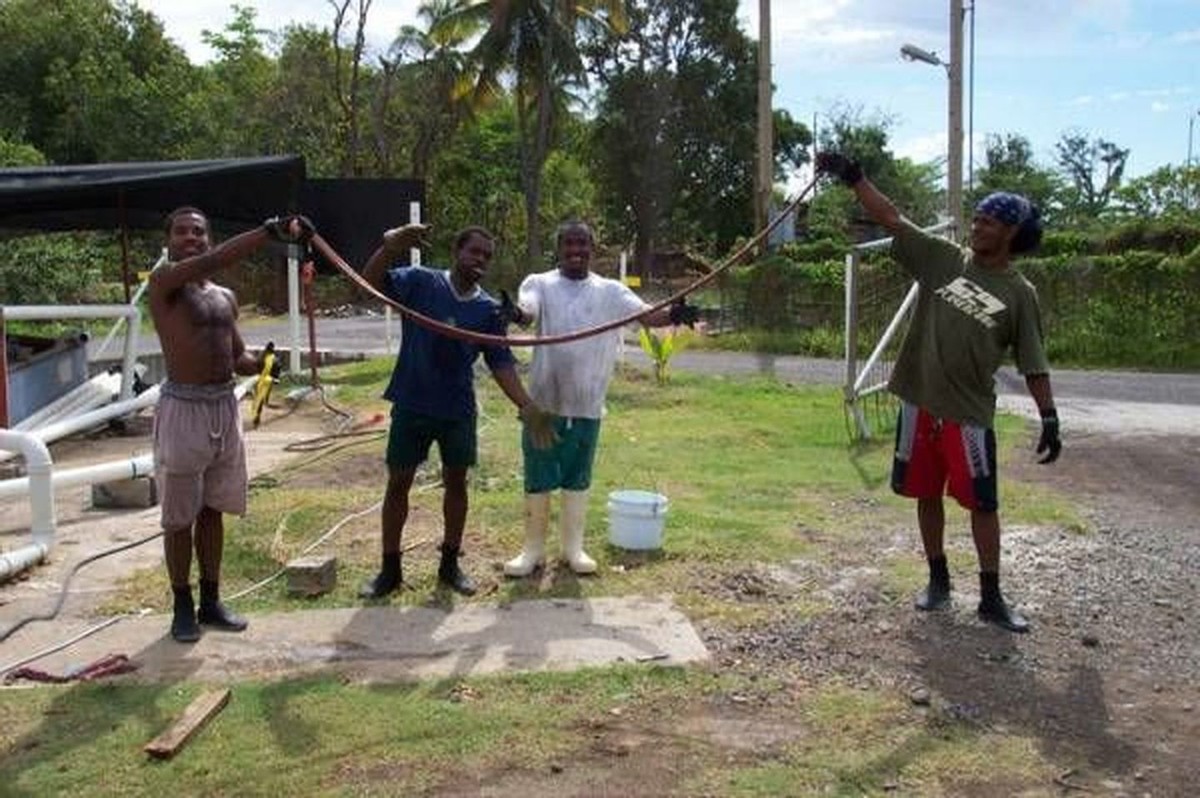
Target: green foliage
{"x":1092,"y":170}
{"x":777,"y":293}
{"x":1135,"y":309}
{"x":911,"y":186}
{"x":1066,"y":242}
{"x":89,"y":80}
{"x":1173,"y":234}
{"x":1009,"y":166}
{"x":823,"y":249}
{"x":14,"y":153}
{"x":62,"y":268}
{"x":673,"y":142}
{"x":1171,"y":191}
{"x":660,"y":347}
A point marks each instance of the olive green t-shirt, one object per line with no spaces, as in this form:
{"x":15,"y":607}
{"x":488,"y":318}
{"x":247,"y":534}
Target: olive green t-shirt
{"x":967,"y":318}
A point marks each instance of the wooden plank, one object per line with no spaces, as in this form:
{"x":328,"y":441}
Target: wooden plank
{"x":196,"y":715}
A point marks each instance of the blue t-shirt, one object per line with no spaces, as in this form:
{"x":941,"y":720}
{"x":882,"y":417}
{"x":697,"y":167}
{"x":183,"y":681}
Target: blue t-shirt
{"x":434,"y":373}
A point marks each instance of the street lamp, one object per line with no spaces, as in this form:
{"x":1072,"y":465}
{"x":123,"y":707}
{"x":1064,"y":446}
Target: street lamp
{"x":954,"y":144}
{"x":913,"y":53}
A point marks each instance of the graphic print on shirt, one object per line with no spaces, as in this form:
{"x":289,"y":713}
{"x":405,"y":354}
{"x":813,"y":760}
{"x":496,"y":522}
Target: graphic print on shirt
{"x":973,"y":300}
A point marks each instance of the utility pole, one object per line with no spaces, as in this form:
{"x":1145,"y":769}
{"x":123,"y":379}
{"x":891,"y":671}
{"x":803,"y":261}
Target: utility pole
{"x":954,"y":159}
{"x":764,"y":172}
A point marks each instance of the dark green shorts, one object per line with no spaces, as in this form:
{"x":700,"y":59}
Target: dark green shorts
{"x":566,"y":465}
{"x":412,"y":434}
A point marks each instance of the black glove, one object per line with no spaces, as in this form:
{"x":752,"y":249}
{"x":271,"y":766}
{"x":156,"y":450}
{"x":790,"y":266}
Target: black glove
{"x":683,"y":313}
{"x":1049,"y":442}
{"x":281,"y":228}
{"x":844,"y":169}
{"x":509,"y":312}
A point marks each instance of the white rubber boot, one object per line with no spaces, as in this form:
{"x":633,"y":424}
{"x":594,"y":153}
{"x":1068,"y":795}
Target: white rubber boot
{"x":537,"y":524}
{"x":574,"y":515}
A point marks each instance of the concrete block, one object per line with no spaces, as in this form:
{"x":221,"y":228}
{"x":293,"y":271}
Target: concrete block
{"x":311,"y":576}
{"x":125,"y":493}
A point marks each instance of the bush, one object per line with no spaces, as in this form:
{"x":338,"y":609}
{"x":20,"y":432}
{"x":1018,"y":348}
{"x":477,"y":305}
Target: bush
{"x":1171,"y":235}
{"x":1066,"y":242}
{"x":56,"y":269}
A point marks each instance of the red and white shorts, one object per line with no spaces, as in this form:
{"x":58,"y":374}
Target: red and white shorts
{"x":936,"y":455}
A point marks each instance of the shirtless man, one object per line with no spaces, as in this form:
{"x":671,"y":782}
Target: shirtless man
{"x":199,"y":455}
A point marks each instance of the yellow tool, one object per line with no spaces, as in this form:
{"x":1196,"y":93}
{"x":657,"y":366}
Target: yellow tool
{"x":266,"y":380}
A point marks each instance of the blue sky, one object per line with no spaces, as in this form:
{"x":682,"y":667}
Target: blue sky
{"x":1124,"y":70}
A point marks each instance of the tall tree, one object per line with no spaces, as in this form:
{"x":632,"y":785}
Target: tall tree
{"x":429,"y":62}
{"x":241,"y":77}
{"x":674,"y":132}
{"x":90,"y":80}
{"x":1093,"y":170}
{"x":534,"y":41}
{"x":1169,"y":192}
{"x":348,"y":80}
{"x":912,"y":186}
{"x":1009,"y":166}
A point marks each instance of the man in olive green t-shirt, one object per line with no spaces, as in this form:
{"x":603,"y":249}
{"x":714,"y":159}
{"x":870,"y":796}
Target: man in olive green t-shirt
{"x":972,"y":309}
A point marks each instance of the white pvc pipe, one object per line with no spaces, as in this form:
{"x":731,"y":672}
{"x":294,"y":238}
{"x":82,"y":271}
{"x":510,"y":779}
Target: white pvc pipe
{"x":39,"y":467}
{"x":137,"y":295}
{"x":22,"y":559}
{"x":68,"y":426}
{"x":43,"y":312}
{"x":98,"y":390}
{"x":129,"y":312}
{"x":130,"y":468}
{"x":293,"y":277}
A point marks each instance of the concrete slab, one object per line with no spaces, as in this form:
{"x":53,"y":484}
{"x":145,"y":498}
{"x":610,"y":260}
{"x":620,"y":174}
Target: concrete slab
{"x":392,"y":644}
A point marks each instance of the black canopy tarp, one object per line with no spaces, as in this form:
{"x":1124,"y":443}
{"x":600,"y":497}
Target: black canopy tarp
{"x":352,"y":213}
{"x":236,"y":191}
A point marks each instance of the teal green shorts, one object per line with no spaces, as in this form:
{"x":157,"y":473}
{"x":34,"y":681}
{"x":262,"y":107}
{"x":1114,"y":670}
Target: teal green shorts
{"x":411,"y":435}
{"x":567,"y":464}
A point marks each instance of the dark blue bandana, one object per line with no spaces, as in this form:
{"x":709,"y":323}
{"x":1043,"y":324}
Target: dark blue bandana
{"x":1012,"y":209}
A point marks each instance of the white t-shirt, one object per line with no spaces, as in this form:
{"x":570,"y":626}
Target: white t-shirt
{"x":571,"y":379}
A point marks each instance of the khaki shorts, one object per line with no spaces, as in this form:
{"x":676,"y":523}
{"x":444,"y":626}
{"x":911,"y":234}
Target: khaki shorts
{"x":199,"y":453}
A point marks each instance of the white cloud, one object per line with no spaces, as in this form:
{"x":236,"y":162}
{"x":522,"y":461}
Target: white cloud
{"x":1159,"y":107}
{"x":922,"y":149}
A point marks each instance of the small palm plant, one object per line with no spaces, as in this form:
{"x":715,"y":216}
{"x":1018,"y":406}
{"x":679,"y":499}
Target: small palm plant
{"x":660,"y":348}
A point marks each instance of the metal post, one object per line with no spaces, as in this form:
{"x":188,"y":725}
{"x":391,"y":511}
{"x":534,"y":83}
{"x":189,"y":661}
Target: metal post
{"x":971,"y":108}
{"x":1191,"y":124}
{"x":954,"y":178}
{"x":293,"y":279}
{"x":3,"y":373}
{"x":766,"y":135}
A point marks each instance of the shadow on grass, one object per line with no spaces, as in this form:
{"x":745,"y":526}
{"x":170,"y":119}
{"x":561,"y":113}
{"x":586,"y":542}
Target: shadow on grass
{"x":51,"y":758}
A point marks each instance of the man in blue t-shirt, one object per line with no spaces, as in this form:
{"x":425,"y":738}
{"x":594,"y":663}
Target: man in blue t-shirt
{"x":432,"y":388}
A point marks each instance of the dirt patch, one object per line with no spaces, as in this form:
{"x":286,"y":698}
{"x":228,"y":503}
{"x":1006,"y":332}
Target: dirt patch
{"x":1107,"y":680}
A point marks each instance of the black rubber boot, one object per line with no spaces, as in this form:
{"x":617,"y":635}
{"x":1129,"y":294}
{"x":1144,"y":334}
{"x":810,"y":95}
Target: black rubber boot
{"x":993,"y":609}
{"x":215,"y":614}
{"x":183,"y":623}
{"x":450,"y":575}
{"x":387,"y":581}
{"x":936,"y":595}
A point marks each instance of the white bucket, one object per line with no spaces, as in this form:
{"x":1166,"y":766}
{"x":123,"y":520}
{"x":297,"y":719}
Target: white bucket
{"x":636,"y":518}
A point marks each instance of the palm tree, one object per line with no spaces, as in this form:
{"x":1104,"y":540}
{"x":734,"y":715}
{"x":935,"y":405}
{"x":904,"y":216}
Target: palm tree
{"x":434,"y":53}
{"x":534,"y":43}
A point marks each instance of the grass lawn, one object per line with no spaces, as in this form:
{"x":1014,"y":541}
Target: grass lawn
{"x":759,"y":474}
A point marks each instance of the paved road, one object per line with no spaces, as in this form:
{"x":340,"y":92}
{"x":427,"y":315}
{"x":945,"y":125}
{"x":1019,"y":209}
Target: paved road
{"x":367,"y":335}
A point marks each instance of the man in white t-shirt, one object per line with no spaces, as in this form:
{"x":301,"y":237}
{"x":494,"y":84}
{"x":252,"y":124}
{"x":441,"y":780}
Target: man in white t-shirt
{"x":570,"y":380}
